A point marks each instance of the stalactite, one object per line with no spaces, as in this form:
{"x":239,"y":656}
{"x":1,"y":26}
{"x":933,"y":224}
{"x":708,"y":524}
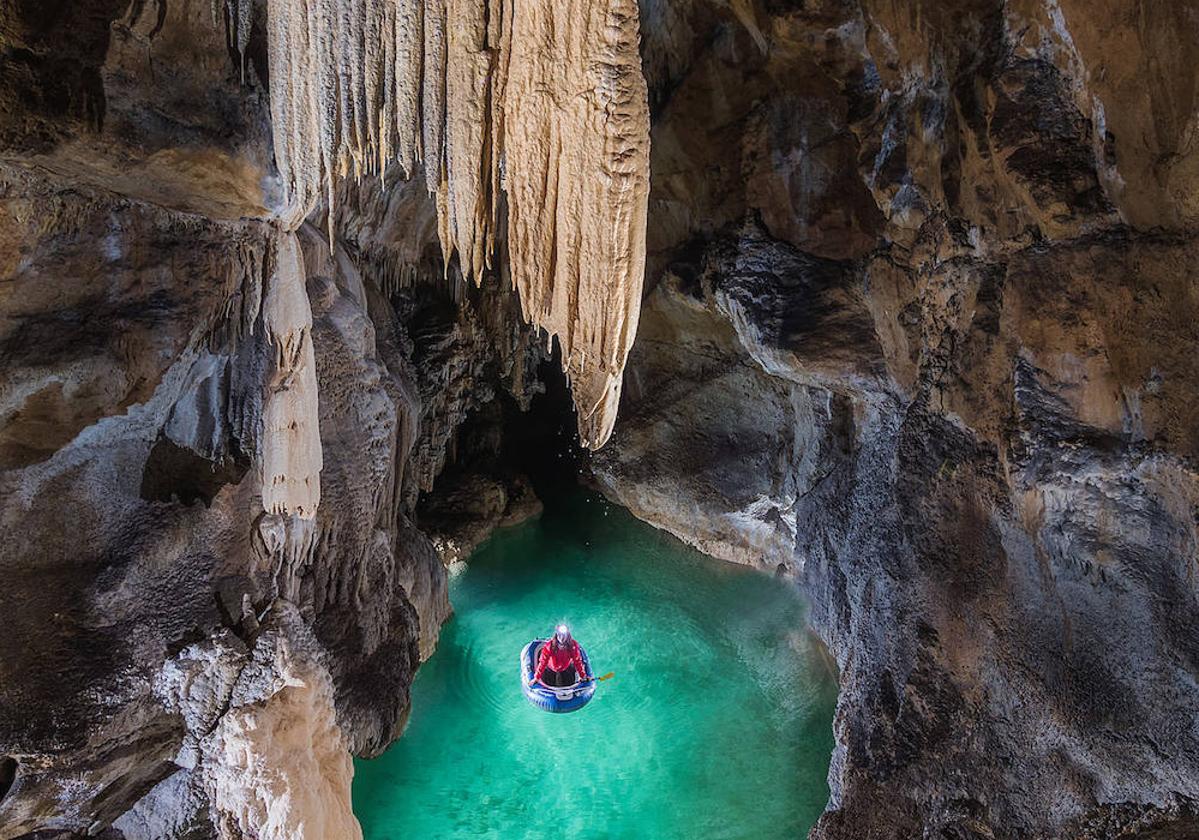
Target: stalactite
{"x":542,"y":99}
{"x":243,"y":296}
{"x":576,"y":148}
{"x":245,"y":14}
{"x":291,"y":444}
{"x":467,"y":216}
{"x":407,"y":42}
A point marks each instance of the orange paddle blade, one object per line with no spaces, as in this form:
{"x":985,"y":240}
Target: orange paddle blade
{"x":606,"y":676}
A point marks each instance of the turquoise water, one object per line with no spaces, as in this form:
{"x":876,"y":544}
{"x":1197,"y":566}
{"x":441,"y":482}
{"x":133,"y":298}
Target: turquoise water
{"x":718,"y":723}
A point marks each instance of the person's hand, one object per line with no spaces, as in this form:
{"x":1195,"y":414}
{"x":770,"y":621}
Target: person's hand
{"x":534,"y":681}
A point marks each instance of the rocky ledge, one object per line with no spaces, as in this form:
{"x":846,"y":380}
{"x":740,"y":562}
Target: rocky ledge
{"x":918,"y":331}
{"x":922,"y":336}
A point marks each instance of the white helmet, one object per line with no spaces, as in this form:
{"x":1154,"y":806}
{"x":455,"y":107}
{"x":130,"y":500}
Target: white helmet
{"x":562,"y":634}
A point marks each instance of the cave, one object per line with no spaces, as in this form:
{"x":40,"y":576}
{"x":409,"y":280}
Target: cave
{"x":833,"y":361}
{"x":176,"y":474}
{"x":8,"y":775}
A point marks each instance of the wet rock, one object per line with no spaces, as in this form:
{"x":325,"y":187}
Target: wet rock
{"x":459,"y":520}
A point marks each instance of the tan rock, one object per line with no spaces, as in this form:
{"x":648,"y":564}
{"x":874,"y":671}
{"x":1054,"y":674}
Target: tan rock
{"x":551,"y":95}
{"x":279,"y":769}
{"x":291,"y":459}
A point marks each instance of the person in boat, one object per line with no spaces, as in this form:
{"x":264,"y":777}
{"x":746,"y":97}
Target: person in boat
{"x":560,"y":662}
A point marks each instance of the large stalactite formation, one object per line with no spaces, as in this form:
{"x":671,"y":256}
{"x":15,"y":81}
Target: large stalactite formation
{"x":536,"y":101}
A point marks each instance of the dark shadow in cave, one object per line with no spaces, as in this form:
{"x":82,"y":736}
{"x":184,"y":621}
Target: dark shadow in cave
{"x":543,"y":443}
{"x":501,"y":456}
{"x":174,"y":473}
{"x":8,"y":774}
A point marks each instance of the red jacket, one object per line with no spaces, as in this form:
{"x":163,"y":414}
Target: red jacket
{"x":559,"y":658}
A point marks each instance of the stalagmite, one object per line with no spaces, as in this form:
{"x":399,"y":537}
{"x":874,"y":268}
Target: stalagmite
{"x":275,"y":765}
{"x":291,"y":445}
{"x":541,"y":98}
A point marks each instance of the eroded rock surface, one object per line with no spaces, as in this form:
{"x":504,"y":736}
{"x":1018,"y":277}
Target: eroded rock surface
{"x":922,"y":337}
{"x":137,"y":525}
{"x":165,"y":610}
{"x":919,"y":332}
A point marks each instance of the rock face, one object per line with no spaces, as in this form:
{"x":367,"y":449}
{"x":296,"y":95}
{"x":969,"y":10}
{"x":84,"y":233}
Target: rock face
{"x":189,"y":651}
{"x":533,"y":105}
{"x":919,"y":332}
{"x":136,"y":392}
{"x":922,"y":336}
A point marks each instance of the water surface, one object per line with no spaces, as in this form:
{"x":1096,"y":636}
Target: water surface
{"x":718,"y":723}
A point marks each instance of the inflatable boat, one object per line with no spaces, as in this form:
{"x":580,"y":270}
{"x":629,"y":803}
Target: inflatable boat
{"x":568,"y":699}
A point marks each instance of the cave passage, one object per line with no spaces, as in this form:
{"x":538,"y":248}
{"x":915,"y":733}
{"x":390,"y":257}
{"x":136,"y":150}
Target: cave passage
{"x":718,"y":723}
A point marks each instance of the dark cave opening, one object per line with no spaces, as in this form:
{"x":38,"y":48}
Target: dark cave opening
{"x":535,"y":447}
{"x":507,"y":463}
{"x":543,"y":442}
{"x":8,"y":774}
{"x":176,"y":474}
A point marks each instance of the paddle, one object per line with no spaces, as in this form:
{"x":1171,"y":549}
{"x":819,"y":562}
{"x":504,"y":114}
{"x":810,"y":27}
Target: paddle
{"x":606,"y":676}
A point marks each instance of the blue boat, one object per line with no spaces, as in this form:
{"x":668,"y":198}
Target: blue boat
{"x":568,"y":699}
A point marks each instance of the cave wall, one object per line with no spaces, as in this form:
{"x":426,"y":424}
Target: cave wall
{"x":138,"y":542}
{"x":918,"y":331}
{"x":182,"y":658}
{"x":921,"y":335}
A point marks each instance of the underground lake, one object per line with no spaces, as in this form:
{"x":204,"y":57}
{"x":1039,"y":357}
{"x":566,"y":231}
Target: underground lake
{"x":717,"y":724}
